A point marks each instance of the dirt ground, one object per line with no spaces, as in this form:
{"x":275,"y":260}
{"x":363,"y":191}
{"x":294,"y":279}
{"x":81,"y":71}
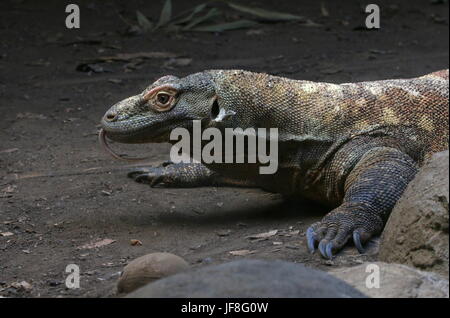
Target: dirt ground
{"x":60,"y":191}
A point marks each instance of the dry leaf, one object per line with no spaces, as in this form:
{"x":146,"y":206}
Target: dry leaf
{"x":241,"y":252}
{"x":223,"y":233}
{"x":101,"y":243}
{"x":22,"y":285}
{"x":29,"y":115}
{"x":9,"y":150}
{"x":135,"y":242}
{"x":331,"y":70}
{"x":115,"y":81}
{"x":263,"y":235}
{"x":6,"y":234}
{"x":9,"y":189}
{"x":255,"y":32}
{"x":177,"y":62}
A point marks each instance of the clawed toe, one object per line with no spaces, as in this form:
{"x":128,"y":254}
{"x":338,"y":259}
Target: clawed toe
{"x":154,"y":176}
{"x":322,"y":237}
{"x":357,"y":242}
{"x":311,"y":239}
{"x":149,"y":178}
{"x":332,"y":234}
{"x":141,"y":178}
{"x":137,"y":172}
{"x":330,"y":239}
{"x":146,"y":175}
{"x":325,"y":249}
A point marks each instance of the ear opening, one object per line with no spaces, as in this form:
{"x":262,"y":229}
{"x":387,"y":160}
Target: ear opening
{"x":215,"y":109}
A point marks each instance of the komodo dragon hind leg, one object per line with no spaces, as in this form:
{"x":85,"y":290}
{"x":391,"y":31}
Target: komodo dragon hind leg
{"x":371,"y":190}
{"x":182,"y":175}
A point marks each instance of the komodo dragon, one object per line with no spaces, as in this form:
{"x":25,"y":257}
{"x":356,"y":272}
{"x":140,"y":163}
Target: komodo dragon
{"x":353,"y":146}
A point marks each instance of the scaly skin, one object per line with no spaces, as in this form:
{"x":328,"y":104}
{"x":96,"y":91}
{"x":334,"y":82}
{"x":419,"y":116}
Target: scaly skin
{"x":353,"y":146}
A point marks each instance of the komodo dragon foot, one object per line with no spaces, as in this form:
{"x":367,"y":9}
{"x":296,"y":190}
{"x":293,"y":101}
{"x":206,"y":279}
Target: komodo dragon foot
{"x":371,"y":193}
{"x":341,"y":224}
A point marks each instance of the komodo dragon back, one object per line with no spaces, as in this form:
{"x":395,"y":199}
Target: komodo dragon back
{"x":409,"y":109}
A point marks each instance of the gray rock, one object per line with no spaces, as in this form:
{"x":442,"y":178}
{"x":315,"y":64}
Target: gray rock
{"x":416,"y":233}
{"x":249,"y":278}
{"x":395,"y":281}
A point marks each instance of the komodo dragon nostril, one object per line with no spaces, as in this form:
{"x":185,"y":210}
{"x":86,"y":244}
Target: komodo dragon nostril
{"x":111,"y":116}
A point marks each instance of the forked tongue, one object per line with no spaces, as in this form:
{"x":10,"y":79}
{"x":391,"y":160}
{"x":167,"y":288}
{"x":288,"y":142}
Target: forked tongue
{"x":104,"y":143}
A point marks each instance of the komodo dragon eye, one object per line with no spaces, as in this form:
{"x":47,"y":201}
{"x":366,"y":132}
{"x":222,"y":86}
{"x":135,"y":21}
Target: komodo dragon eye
{"x":163,"y":98}
{"x":164,"y":101}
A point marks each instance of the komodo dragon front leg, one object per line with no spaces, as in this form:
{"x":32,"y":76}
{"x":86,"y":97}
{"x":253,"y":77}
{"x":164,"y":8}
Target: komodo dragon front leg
{"x":183,"y":175}
{"x":371,"y":190}
{"x":180,"y":175}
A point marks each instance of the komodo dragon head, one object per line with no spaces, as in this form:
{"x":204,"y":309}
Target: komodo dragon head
{"x":168,"y":103}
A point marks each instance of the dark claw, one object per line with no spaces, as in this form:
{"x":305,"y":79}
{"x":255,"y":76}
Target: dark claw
{"x":357,"y":242}
{"x":311,"y":240}
{"x":322,"y":248}
{"x":328,"y":250}
{"x":150,"y":179}
{"x":141,"y":178}
{"x":133,"y":174}
{"x":156,"y":180}
{"x":166,"y":163}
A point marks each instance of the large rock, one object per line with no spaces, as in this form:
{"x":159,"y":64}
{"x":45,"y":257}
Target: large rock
{"x":249,"y":278}
{"x":395,"y":281}
{"x":416,"y":233}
